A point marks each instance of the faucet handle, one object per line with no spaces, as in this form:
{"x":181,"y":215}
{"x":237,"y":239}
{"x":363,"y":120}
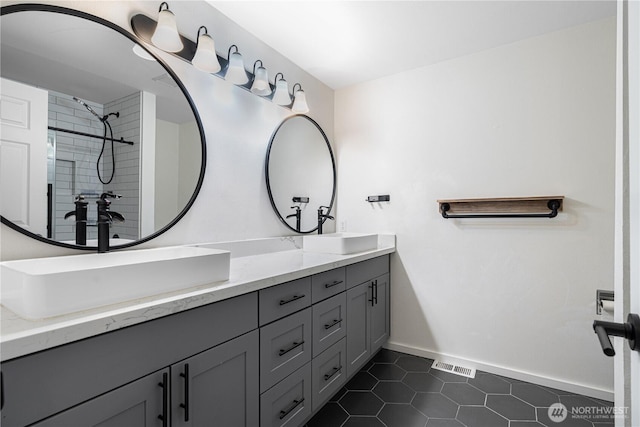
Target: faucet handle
{"x":116,"y":216}
{"x":110,"y":194}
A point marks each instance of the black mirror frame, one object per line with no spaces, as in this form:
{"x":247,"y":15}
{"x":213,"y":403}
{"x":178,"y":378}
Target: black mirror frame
{"x":266,"y":171}
{"x":26,"y":7}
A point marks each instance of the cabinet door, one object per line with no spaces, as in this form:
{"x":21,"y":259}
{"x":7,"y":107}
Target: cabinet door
{"x":379,"y":318}
{"x":358,"y":330}
{"x":218,"y":387}
{"x":142,"y":403}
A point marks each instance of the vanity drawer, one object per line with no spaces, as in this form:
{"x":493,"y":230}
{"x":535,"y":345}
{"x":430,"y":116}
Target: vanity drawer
{"x":288,"y":402}
{"x":366,"y":270}
{"x":328,"y":373}
{"x":282,"y":300}
{"x":327,"y":284}
{"x":285,"y":346}
{"x":329,"y":322}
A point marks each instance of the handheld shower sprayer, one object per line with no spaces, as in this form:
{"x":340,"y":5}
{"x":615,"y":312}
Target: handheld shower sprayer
{"x":85,"y":105}
{"x":105,"y":123}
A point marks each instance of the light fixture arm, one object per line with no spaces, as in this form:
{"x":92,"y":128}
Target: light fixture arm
{"x":164,"y":3}
{"x":229,"y":52}
{"x":254,"y":65}
{"x":294,"y":88}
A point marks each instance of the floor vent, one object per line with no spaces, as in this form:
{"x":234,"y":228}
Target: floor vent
{"x":454,"y":369}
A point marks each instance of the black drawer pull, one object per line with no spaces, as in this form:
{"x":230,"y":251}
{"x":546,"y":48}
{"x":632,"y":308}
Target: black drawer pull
{"x":293,"y":406}
{"x":332,"y":324}
{"x":292,"y":299}
{"x":332,"y":373}
{"x":293,"y":346}
{"x":334,"y":283}
{"x":185,"y":405}
{"x":165,"y":400}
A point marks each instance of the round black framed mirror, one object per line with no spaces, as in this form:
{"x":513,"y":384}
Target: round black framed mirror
{"x":117,"y":120}
{"x":300,"y":173}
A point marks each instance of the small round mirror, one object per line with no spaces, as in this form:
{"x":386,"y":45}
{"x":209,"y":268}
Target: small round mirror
{"x":300,"y":173}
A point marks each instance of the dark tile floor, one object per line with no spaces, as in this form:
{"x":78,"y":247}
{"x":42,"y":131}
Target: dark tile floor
{"x":399,"y":390}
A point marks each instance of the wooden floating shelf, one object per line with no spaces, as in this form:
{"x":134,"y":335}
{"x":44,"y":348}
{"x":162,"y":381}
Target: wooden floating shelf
{"x":502,"y":207}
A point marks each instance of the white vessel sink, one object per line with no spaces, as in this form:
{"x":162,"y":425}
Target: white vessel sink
{"x":46,"y":287}
{"x":340,"y":243}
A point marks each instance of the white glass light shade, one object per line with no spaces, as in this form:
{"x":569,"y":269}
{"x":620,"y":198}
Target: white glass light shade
{"x":205,"y":58}
{"x":300,"y":102}
{"x":236,"y":73}
{"x":166,"y":35}
{"x":260,"y":84}
{"x":138,"y":50}
{"x":281,"y":96}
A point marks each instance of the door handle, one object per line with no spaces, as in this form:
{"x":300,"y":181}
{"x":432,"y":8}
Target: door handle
{"x":629,"y":330}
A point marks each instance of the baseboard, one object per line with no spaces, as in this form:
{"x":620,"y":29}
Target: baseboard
{"x":607,"y":395}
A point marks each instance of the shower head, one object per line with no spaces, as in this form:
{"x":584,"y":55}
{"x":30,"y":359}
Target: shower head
{"x":84,"y":104}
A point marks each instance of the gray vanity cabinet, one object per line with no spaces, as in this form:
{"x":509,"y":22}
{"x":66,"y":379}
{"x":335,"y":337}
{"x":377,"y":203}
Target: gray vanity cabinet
{"x":379,"y":317}
{"x":218,"y":386}
{"x":143,"y":403}
{"x":85,"y":372}
{"x":367,"y":311}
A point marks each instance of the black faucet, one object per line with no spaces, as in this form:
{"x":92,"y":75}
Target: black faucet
{"x":105,"y":218}
{"x":298,"y":216}
{"x":81,"y":219}
{"x":322,"y":217}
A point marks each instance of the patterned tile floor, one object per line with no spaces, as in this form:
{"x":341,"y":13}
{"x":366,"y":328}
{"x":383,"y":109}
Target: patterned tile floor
{"x":399,"y":390}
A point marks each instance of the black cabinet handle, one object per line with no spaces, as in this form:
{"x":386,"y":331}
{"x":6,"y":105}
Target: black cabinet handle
{"x":165,"y":400}
{"x":292,"y":299}
{"x":372,"y":300}
{"x":375,"y":289}
{"x":293,"y":406}
{"x":332,"y":324}
{"x":332,"y":373}
{"x":332,"y":284}
{"x":185,"y":405}
{"x":293,"y":346}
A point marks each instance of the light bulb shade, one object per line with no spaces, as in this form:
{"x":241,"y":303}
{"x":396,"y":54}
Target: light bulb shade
{"x":300,"y":102}
{"x":281,"y":95}
{"x":205,"y":58}
{"x":236,"y":73}
{"x":138,"y":50}
{"x":260,"y":84}
{"x":166,"y":35}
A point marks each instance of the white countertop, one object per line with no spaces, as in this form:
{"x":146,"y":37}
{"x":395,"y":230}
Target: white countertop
{"x":255,"y":265}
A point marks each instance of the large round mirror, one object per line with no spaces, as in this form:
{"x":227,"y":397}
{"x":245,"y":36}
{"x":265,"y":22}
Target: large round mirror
{"x":87,"y":111}
{"x":300,"y":173}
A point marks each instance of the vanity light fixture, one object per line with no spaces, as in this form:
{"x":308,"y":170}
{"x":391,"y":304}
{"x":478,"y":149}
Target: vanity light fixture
{"x":205,"y":58}
{"x":281,"y":95}
{"x":236,"y":73}
{"x":260,"y":84}
{"x":166,"y":36}
{"x":299,"y":100}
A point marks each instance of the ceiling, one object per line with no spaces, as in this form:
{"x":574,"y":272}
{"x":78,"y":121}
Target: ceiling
{"x":342,"y":43}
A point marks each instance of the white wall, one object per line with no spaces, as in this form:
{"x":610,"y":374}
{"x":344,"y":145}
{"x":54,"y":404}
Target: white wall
{"x":167,"y":172}
{"x":233,"y":203}
{"x":531,"y":118}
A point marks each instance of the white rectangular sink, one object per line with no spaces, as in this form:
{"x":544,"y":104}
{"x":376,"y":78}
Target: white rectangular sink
{"x":340,"y":243}
{"x":46,"y":287}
